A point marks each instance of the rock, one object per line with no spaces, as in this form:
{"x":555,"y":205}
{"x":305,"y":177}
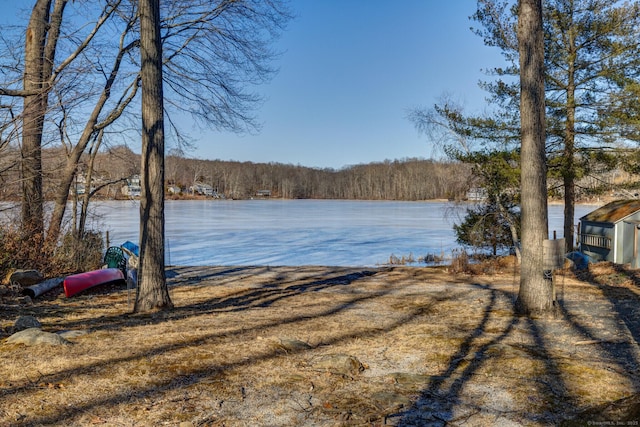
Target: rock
{"x":26,"y":322}
{"x":390,"y":400}
{"x":341,"y":364}
{"x":26,"y":277}
{"x":411,"y":379}
{"x":24,"y":300}
{"x":73,"y":334}
{"x":293,"y":345}
{"x":34,"y":336}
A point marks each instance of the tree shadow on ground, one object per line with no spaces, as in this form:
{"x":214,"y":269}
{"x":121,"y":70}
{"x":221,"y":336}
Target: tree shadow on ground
{"x":262,"y":296}
{"x":443,"y":401}
{"x":620,"y":342}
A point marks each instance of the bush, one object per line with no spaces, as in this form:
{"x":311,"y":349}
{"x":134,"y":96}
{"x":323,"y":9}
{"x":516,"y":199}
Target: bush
{"x":73,"y":255}
{"x":459,"y":261}
{"x":76,"y":255}
{"x":20,"y":252}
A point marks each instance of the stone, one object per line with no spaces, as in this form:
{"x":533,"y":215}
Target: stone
{"x":26,"y":277}
{"x":341,"y":364}
{"x":390,"y":400}
{"x":26,"y":322}
{"x":35,"y":336}
{"x":293,"y":345}
{"x":73,"y":334}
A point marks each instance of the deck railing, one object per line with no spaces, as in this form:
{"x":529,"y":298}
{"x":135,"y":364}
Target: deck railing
{"x":595,"y":240}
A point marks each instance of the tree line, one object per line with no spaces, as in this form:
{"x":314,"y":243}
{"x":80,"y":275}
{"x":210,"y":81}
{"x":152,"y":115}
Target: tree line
{"x":406,"y":179}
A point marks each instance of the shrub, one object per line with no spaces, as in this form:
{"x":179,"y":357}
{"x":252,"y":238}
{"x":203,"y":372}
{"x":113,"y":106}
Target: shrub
{"x":79,"y":254}
{"x":73,"y":255}
{"x":20,"y":252}
{"x":459,"y":261}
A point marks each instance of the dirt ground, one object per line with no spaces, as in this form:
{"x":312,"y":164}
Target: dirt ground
{"x":329,"y":346}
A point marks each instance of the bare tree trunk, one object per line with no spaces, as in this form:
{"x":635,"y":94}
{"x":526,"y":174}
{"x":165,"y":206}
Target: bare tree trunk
{"x":535,"y":295}
{"x":40,"y":47}
{"x":152,"y":292}
{"x":84,"y":208}
{"x":33,"y":122}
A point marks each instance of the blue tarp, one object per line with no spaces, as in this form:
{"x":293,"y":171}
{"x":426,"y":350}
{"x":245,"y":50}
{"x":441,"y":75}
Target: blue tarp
{"x":131,"y":247}
{"x":580,"y":260}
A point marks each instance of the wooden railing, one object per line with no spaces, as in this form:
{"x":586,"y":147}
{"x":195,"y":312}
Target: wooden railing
{"x":595,"y":241}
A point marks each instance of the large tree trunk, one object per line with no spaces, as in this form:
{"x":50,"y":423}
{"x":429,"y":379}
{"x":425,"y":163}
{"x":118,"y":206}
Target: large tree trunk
{"x":33,"y":121}
{"x":569,"y":168}
{"x":535,"y":295}
{"x":40,"y":47}
{"x":152,"y":292}
{"x":569,"y":210}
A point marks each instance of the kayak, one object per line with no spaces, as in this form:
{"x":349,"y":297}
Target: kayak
{"x":83,"y":281}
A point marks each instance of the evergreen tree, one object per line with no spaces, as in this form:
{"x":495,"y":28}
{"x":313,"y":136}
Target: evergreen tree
{"x":494,"y":222}
{"x":487,"y":225}
{"x":592,"y":51}
{"x":592,"y":76}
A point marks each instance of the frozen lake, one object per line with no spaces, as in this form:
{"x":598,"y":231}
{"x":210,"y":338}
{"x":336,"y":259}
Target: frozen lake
{"x":296,"y":232}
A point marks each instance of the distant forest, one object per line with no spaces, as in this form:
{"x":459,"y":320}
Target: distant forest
{"x":407,"y":179}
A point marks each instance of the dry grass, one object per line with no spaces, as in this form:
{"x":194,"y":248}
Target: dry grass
{"x":243,"y":345}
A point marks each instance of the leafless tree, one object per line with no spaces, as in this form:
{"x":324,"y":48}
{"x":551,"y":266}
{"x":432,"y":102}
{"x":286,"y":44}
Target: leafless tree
{"x":214,"y":53}
{"x":535,"y":295}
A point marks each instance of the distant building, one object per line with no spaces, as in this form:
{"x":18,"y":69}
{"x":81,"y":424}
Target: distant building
{"x":132,"y":188}
{"x":202,"y":189}
{"x":263,"y":193}
{"x":174,"y":189}
{"x":79,"y":187}
{"x":477,"y":194}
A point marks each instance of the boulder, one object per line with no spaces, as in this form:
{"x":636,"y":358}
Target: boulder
{"x":26,"y":322}
{"x":34,"y":336}
{"x":26,"y":278}
{"x":389,"y":400}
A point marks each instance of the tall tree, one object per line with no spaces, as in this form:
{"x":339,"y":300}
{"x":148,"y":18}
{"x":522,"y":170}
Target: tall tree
{"x":592,"y":51}
{"x":152,"y":292}
{"x":101,"y":115}
{"x":535,"y":295}
{"x":40,"y":41}
{"x":592,"y":54}
{"x":215,"y":51}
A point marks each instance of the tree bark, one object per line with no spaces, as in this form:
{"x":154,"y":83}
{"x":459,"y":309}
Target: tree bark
{"x":152,"y":292}
{"x":33,"y":122}
{"x":535,"y":294}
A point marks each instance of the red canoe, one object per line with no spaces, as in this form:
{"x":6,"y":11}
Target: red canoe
{"x":80,"y":282}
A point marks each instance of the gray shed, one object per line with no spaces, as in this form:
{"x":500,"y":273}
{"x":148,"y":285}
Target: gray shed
{"x":611,"y":232}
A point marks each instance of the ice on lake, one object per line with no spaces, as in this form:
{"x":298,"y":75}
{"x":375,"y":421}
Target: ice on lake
{"x":297,"y":232}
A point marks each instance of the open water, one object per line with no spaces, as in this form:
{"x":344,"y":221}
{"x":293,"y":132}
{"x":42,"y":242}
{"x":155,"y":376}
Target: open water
{"x":297,"y":232}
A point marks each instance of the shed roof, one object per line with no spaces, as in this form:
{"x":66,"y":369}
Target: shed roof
{"x":613,"y":212}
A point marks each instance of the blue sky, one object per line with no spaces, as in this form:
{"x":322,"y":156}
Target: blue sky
{"x":350,"y":71}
